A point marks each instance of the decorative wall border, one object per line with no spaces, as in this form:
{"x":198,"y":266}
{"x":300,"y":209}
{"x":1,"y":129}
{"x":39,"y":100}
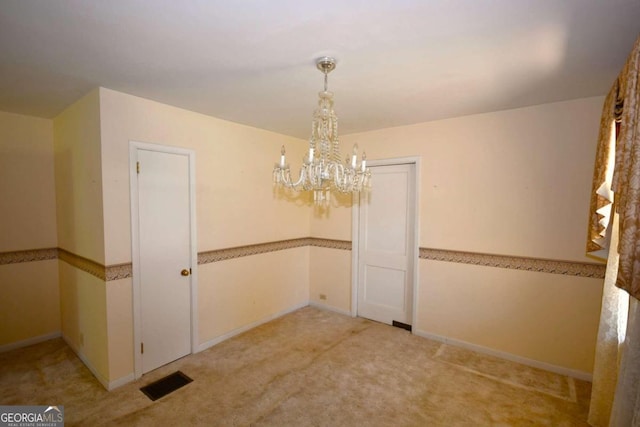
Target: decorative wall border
{"x":84,"y":264}
{"x":118,"y":271}
{"x":108,"y":273}
{"x":345,"y":245}
{"x":15,"y":257}
{"x":248,"y":250}
{"x":261,"y":248}
{"x":123,"y":271}
{"x":539,"y":265}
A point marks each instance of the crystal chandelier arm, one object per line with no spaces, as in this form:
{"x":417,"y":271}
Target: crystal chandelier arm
{"x":301,"y":178}
{"x":341,"y":181}
{"x":282,"y":176}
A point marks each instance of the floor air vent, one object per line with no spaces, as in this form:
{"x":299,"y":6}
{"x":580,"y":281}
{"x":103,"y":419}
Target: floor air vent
{"x":166,"y":385}
{"x":401,"y":325}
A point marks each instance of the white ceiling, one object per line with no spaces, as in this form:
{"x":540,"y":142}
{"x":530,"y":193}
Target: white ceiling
{"x":253,"y":61}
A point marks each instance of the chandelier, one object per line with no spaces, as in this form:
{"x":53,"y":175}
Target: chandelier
{"x":322,"y":169}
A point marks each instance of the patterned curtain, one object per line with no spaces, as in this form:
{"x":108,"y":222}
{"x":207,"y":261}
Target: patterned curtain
{"x":615,"y":399}
{"x":626,"y":176}
{"x":611,"y":337}
{"x":601,"y":194}
{"x":622,"y":105}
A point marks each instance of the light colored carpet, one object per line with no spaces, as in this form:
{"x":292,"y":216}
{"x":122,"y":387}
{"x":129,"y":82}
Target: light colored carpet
{"x":308,"y":368}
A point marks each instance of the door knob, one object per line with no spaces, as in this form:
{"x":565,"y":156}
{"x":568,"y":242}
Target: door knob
{"x":185,"y":272}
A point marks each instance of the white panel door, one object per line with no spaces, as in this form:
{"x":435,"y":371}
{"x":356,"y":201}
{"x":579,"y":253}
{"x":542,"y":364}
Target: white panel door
{"x":164,"y":243}
{"x":386,"y":245}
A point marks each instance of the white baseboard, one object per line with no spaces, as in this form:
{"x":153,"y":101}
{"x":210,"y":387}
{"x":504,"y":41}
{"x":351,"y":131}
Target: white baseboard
{"x":104,"y":381}
{"x":109,"y":385}
{"x":238,"y":331}
{"x":29,"y":341}
{"x":121,"y":381}
{"x":581,"y":375}
{"x":327,"y":307}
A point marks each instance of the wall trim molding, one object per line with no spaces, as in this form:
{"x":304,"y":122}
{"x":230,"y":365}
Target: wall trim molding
{"x":101,"y":379}
{"x":327,"y":307}
{"x":124,"y":270}
{"x":29,"y":341}
{"x":121,"y":381}
{"x":573,"y":373}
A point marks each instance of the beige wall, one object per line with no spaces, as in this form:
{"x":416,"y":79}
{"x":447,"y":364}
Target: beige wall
{"x":29,"y":301}
{"x":84,"y":319}
{"x":546,"y":317}
{"x":512,"y":182}
{"x":334,"y":222}
{"x":235,"y":206}
{"x":330,"y":275}
{"x":27,"y":211}
{"x":29,"y":297}
{"x":78,"y":173}
{"x":80,"y":230}
{"x":235,"y":201}
{"x":243,"y":291}
{"x":119,"y":319}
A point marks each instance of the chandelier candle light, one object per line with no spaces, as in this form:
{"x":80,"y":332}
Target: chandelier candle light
{"x":322,"y":169}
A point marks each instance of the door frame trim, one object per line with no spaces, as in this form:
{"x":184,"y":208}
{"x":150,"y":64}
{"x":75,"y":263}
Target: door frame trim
{"x":355,"y":235}
{"x":134,"y":147}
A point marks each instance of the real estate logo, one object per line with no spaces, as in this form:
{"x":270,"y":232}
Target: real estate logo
{"x":32,"y":416}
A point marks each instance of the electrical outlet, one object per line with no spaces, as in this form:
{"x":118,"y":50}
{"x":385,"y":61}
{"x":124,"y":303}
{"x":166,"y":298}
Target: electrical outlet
{"x":323,"y":297}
